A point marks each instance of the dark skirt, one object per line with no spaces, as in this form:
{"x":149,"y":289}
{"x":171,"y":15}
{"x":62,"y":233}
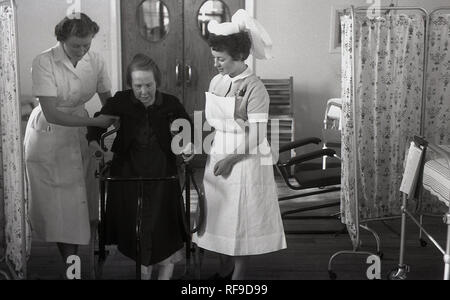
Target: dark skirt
{"x":162,"y":227}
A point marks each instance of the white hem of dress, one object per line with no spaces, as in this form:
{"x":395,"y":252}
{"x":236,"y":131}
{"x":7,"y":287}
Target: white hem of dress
{"x":255,"y":246}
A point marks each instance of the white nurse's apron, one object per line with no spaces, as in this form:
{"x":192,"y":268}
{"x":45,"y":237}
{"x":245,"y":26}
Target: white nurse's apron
{"x":61,"y":177}
{"x":242,"y":212}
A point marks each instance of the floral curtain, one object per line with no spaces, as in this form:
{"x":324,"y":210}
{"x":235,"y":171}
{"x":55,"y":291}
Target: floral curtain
{"x":389,"y":59}
{"x":15,"y":230}
{"x":347,"y":185}
{"x":2,"y":208}
{"x":437,"y":113}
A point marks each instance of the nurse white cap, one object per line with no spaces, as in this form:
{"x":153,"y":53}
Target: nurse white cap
{"x":242,"y":21}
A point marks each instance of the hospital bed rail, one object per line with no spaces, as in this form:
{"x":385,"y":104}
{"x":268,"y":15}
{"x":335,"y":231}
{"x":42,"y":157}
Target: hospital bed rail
{"x":401,"y":272}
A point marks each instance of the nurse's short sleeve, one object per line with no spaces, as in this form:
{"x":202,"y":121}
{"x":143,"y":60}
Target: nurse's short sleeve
{"x":44,"y":82}
{"x":103,"y":81}
{"x":258,"y":104}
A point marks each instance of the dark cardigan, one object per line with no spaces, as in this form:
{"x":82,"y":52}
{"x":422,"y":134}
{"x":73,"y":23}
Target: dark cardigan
{"x":162,"y":228}
{"x":129,"y":109}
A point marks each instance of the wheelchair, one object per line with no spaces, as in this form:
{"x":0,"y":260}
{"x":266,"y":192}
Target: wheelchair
{"x":303,"y":172}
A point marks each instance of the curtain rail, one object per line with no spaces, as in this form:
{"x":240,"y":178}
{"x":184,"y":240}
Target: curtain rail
{"x":439,"y":8}
{"x":362,"y":9}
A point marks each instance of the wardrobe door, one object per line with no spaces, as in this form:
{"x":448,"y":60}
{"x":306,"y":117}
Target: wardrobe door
{"x":155,"y":28}
{"x":199,"y":65}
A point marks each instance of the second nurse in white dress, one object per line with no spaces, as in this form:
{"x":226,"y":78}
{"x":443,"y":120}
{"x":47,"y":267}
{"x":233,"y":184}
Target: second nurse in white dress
{"x":60,"y":167}
{"x":242,"y":215}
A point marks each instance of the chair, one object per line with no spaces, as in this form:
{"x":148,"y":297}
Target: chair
{"x":281,"y":96}
{"x":325,"y":176}
{"x":331,"y":133}
{"x":281,"y":93}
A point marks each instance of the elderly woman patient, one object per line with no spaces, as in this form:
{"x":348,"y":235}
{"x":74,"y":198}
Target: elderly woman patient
{"x":143,"y":148}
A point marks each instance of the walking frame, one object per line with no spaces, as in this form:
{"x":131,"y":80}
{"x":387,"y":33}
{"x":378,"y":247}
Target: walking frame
{"x":104,"y":179}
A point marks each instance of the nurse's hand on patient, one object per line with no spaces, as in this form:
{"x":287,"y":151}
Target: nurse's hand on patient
{"x":104,"y":121}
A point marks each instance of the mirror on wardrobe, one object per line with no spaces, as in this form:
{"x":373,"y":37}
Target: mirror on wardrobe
{"x":212,"y":10}
{"x":153,"y":20}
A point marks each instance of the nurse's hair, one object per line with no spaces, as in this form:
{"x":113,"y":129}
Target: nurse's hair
{"x":142,"y":62}
{"x":81,"y":27}
{"x":237,"y":45}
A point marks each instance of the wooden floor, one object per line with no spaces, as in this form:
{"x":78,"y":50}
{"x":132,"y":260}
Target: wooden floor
{"x":306,"y":257}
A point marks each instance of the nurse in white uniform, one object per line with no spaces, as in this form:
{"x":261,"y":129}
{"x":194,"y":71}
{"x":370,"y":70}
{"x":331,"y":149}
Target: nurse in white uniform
{"x":60,"y":168}
{"x":242,"y":215}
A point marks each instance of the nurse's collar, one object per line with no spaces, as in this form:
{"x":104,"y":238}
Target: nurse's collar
{"x":243,"y":75}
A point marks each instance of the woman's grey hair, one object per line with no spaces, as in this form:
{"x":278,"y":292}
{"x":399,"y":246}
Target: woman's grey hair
{"x":142,"y":62}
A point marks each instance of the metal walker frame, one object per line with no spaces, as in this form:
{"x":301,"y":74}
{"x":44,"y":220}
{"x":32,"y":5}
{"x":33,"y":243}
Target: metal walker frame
{"x":104,"y":179}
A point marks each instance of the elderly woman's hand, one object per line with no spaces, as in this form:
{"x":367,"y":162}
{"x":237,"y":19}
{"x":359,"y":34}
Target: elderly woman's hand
{"x":188,"y":153}
{"x":188,"y":158}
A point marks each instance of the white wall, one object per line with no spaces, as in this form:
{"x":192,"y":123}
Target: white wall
{"x":300,"y":30}
{"x":37,"y":20}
